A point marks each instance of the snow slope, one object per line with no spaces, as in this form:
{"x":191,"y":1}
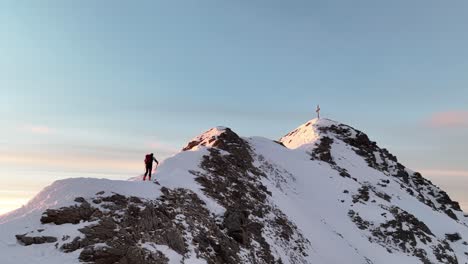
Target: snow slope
{"x":323,"y":193}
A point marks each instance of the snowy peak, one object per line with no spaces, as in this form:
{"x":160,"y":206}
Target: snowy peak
{"x":222,"y":138}
{"x":211,"y":138}
{"x":307,"y":133}
{"x":326,"y":188}
{"x":329,"y":141}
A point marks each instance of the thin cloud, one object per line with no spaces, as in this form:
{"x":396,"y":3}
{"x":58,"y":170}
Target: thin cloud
{"x":39,"y":129}
{"x":449,"y":119}
{"x":71,"y":162}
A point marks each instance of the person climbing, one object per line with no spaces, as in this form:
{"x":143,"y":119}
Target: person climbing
{"x":149,"y":165}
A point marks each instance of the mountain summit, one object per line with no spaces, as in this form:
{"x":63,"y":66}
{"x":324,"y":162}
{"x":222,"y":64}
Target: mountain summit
{"x":305,"y":134}
{"x":323,"y":193}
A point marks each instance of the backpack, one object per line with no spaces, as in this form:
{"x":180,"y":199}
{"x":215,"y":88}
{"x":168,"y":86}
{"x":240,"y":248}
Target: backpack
{"x":148,"y":159}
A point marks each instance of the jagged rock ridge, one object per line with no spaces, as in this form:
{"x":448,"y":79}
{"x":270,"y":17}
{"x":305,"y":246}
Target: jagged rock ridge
{"x":323,"y":188}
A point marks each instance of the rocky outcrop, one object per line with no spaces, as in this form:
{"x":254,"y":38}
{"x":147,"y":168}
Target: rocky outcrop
{"x":230,"y":177}
{"x":381,"y":159}
{"x":72,"y":215}
{"x":363,"y":194}
{"x":405,"y":233}
{"x":453,"y":237}
{"x":322,"y":152}
{"x":128,"y":255}
{"x":236,"y":223}
{"x":130,"y":221}
{"x":169,"y":220}
{"x":28,"y":240}
{"x":121,"y":228}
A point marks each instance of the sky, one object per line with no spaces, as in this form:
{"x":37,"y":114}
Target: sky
{"x":88,"y":87}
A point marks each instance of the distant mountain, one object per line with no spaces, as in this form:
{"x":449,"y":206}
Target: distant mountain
{"x":324,"y":193}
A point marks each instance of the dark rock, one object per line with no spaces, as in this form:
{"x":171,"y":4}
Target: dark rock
{"x":323,"y":150}
{"x":279,"y":143}
{"x":75,"y":244}
{"x":285,"y":226}
{"x":103,"y":231}
{"x":451,"y":214}
{"x":408,"y":190}
{"x":123,"y":255}
{"x":26,"y":240}
{"x":422,"y":255}
{"x":442,"y":252}
{"x":362,"y":196}
{"x":133,"y":211}
{"x":357,"y":219}
{"x":175,"y":240}
{"x":383,"y":196}
{"x":235,"y":222}
{"x":80,"y":200}
{"x":73,"y":214}
{"x":117,"y":199}
{"x":453,"y":237}
{"x":136,"y":200}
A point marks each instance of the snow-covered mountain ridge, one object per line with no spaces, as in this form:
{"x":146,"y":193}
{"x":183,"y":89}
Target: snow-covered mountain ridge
{"x":324,"y":193}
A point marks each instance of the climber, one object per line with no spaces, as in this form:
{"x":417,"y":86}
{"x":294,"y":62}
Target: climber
{"x":149,"y":165}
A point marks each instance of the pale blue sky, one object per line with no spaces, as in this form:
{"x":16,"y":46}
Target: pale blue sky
{"x":87,"y":87}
